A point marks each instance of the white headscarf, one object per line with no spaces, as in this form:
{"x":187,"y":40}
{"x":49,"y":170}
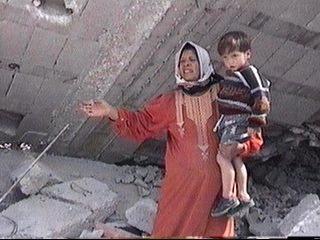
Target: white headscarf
{"x":206,"y":68}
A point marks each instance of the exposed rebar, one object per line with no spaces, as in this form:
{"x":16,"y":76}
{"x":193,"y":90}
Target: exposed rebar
{"x":33,"y":163}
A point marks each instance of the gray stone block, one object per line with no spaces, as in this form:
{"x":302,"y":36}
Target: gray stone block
{"x":272,"y":8}
{"x":87,"y":192}
{"x":47,"y":99}
{"x":95,"y":234}
{"x":44,"y":48}
{"x":313,"y":80}
{"x":291,"y":109}
{"x":76,"y":5}
{"x":18,"y":3}
{"x":302,"y":219}
{"x":302,"y":69}
{"x":42,"y":217}
{"x":14,"y":39}
{"x":23,"y":89}
{"x":97,"y":17}
{"x":300,"y":12}
{"x":114,"y":231}
{"x":283,"y":59}
{"x":264,"y":46}
{"x":38,"y":177}
{"x":77,"y":56}
{"x":314,"y":25}
{"x":309,"y":227}
{"x":19,"y":14}
{"x":5,"y":80}
{"x":142,"y":214}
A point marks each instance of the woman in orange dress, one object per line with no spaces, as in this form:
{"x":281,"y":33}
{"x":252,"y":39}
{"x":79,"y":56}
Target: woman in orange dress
{"x":192,"y":182}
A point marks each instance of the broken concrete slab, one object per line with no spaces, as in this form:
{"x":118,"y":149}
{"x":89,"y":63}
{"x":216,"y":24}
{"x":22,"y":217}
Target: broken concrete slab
{"x":7,"y":226}
{"x":111,"y":231}
{"x":260,"y":226}
{"x":89,"y":193}
{"x":91,"y":234}
{"x":38,"y":177}
{"x":302,"y":219}
{"x":42,"y":217}
{"x":142,"y":214}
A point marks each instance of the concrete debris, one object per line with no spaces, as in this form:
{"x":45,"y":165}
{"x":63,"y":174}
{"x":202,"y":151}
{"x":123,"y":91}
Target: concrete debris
{"x":304,"y":219}
{"x":260,"y":226}
{"x":8,"y":227}
{"x":80,"y":194}
{"x":141,"y":183}
{"x":142,"y":214}
{"x":42,"y":217}
{"x":37,"y":178}
{"x":111,"y":231}
{"x":142,"y":172}
{"x":87,"y":192}
{"x":143,"y":192}
{"x":281,"y":176}
{"x":91,"y":234}
{"x":126,"y":179}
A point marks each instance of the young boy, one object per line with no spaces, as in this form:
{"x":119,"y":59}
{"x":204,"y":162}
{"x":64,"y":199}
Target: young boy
{"x":243,"y":105}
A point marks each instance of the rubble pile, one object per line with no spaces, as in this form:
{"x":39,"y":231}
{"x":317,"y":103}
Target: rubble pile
{"x":80,"y":198}
{"x":282,"y":175}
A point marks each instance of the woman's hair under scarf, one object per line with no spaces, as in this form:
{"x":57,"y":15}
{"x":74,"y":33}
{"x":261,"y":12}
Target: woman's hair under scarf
{"x":205,"y":68}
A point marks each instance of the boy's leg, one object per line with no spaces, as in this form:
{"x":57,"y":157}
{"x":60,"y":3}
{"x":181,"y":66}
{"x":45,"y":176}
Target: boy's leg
{"x":228,"y":199}
{"x":227,"y":175}
{"x":241,"y":179}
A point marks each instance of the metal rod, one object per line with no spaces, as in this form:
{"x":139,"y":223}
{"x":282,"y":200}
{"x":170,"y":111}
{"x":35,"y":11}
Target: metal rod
{"x":33,"y":163}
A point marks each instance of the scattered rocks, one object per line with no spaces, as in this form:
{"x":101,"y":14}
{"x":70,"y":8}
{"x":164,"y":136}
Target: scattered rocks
{"x":142,"y":214}
{"x":111,"y":231}
{"x":86,"y":234}
{"x":282,"y":175}
{"x":38,"y":177}
{"x":283,"y":181}
{"x":304,"y":219}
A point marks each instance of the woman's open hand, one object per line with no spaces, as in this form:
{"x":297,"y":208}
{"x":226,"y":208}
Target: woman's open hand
{"x":96,"y":108}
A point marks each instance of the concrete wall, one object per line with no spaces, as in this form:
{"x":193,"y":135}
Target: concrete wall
{"x":123,"y":51}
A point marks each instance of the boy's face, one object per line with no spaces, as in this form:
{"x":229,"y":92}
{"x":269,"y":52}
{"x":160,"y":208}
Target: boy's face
{"x":189,"y":66}
{"x":236,"y":60}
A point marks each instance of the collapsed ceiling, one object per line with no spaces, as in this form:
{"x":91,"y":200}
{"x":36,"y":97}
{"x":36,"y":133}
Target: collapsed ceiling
{"x":56,"y":53}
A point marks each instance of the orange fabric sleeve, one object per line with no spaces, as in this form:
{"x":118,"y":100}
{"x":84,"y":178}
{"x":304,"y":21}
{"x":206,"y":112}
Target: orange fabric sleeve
{"x":149,"y":122}
{"x":252,"y":146}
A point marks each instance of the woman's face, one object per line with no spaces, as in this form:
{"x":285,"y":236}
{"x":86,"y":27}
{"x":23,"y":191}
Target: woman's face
{"x":189,"y":66}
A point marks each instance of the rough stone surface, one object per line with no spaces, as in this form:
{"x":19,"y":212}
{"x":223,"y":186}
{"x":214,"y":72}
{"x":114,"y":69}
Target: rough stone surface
{"x":281,"y":180}
{"x":111,"y":231}
{"x":89,"y":193}
{"x":42,"y":217}
{"x":303,"y":220}
{"x":91,"y":235}
{"x":142,"y":215}
{"x":38,"y":177}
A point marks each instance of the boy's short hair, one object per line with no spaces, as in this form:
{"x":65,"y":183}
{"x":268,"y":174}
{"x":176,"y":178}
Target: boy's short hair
{"x":234,"y":41}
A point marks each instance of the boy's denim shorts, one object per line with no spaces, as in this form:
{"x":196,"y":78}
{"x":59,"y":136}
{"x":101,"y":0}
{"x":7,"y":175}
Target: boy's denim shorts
{"x":233,"y":128}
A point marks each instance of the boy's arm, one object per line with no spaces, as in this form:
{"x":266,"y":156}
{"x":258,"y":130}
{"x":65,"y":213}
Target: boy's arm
{"x":259,"y":88}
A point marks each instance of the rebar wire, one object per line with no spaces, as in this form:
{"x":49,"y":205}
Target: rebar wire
{"x":33,"y":163}
{"x":14,"y":226}
{"x":77,"y":188}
